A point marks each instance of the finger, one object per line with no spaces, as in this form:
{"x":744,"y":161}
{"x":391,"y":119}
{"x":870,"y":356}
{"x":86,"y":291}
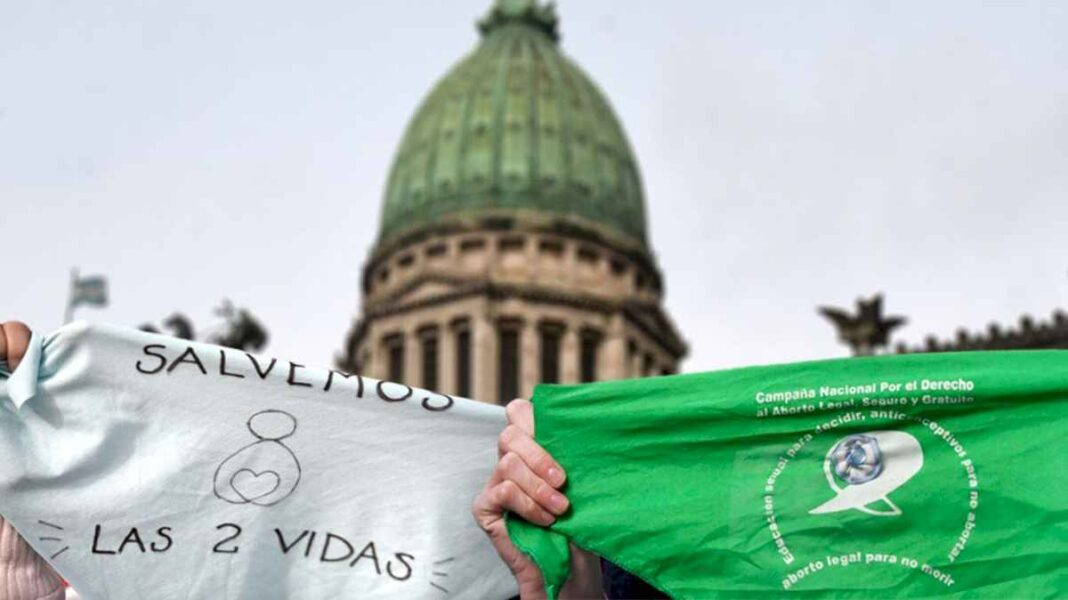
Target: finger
{"x":512,"y":468}
{"x":508,"y":495}
{"x":514,"y":439}
{"x":520,"y":413}
{"x":17,"y":341}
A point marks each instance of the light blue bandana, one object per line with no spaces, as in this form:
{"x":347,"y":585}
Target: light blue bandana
{"x":143,"y":466}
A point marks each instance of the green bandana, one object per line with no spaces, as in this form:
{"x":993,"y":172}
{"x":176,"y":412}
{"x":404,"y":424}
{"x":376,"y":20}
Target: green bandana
{"x":918,"y":475}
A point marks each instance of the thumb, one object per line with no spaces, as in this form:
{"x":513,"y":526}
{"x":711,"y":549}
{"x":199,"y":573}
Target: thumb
{"x":14,"y":342}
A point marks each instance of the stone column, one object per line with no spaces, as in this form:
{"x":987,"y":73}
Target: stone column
{"x":529,"y":359}
{"x":413,"y":367}
{"x":373,"y":346}
{"x":612,"y":355}
{"x":634,"y":359}
{"x":612,"y":358}
{"x":484,"y":363}
{"x":569,"y":354}
{"x":447,"y":359}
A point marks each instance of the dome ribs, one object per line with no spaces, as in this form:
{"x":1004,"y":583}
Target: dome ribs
{"x":516,"y":133}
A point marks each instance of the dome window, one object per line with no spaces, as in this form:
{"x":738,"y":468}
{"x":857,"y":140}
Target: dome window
{"x":551,"y":247}
{"x":472,"y":245}
{"x":588,"y":255}
{"x":512,"y":244}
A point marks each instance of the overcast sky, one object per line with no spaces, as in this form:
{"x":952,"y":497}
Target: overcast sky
{"x":793,"y":154}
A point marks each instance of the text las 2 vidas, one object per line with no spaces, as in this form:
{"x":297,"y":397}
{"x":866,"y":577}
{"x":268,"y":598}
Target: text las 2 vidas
{"x":161,"y":359}
{"x":328,"y":548}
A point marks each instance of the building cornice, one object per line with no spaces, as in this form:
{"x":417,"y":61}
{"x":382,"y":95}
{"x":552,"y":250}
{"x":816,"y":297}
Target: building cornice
{"x":648,"y":317}
{"x":523,"y":221}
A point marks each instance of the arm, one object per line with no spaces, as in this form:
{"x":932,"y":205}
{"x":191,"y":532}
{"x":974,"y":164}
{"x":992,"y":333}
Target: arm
{"x":526,"y":482}
{"x":23,"y":574}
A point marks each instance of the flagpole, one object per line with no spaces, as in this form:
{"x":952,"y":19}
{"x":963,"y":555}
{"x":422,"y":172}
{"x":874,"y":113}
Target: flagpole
{"x":68,"y":314}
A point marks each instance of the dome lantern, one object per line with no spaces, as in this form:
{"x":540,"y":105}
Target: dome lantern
{"x":528,"y":12}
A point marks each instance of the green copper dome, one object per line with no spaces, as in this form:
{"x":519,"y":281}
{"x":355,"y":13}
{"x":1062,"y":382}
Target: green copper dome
{"x":516,"y":132}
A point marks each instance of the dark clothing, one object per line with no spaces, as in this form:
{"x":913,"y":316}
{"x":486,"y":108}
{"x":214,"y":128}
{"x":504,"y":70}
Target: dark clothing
{"x":621,"y":585}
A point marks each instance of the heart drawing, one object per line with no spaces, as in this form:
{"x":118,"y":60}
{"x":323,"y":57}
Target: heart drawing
{"x":251,"y":485}
{"x":264,"y":472}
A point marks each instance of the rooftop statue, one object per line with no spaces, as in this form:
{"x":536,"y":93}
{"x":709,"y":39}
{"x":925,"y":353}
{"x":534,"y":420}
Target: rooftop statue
{"x":866,"y":330}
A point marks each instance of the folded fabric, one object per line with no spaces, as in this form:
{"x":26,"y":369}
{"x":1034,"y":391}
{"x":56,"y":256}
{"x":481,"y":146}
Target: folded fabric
{"x":144,"y":466}
{"x":902,"y":476}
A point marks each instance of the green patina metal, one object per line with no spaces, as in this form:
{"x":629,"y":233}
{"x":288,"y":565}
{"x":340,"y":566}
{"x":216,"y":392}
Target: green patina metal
{"x":515,"y":129}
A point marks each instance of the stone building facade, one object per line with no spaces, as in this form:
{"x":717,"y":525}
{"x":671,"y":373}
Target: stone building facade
{"x":512,"y":246}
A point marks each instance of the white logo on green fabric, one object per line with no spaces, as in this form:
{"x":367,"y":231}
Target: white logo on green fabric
{"x":870,"y":465}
